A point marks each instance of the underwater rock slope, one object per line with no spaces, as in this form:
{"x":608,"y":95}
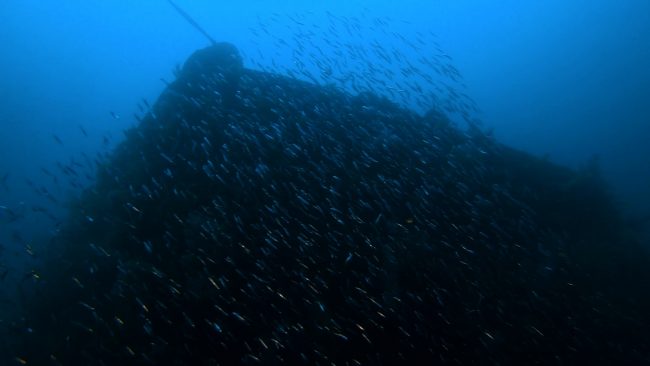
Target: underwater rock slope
{"x":255,"y":219}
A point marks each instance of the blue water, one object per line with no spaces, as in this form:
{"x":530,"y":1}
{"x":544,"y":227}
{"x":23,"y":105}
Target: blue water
{"x":566,"y":80}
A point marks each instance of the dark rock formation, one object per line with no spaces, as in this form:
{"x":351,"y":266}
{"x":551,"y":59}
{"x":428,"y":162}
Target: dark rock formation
{"x":256,"y":219}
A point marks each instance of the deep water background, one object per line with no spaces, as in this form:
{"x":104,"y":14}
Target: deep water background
{"x":564,"y":79}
